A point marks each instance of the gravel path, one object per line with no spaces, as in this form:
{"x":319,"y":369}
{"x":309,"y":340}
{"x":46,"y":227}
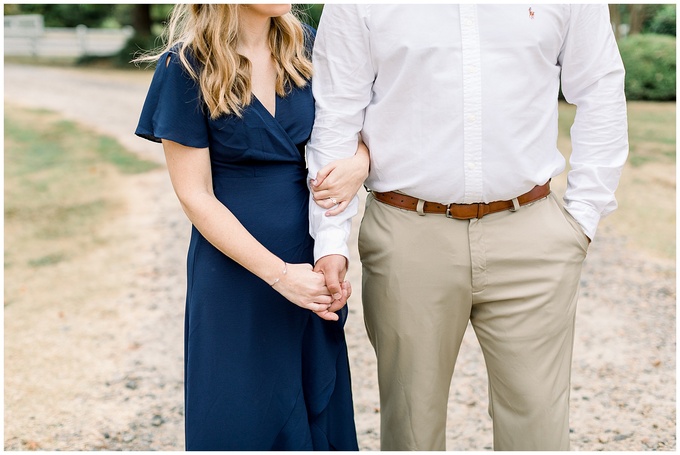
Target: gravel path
{"x":124,"y":389}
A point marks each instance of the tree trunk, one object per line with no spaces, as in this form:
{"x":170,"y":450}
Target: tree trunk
{"x":615,"y":19}
{"x":637,"y":18}
{"x":141,"y":19}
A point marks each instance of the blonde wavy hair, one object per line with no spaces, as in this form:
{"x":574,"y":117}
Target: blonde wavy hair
{"x":209,"y":32}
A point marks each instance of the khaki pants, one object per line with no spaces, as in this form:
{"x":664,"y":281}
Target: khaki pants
{"x":514,"y":276}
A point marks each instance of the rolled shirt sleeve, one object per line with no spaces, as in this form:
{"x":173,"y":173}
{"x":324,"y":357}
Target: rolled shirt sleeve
{"x":593,"y":80}
{"x":343,"y":77}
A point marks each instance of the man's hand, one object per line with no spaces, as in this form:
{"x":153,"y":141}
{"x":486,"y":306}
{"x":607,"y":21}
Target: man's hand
{"x":334,"y":269}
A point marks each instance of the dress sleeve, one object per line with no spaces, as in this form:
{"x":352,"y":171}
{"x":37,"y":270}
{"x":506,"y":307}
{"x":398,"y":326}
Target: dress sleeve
{"x":173,"y":107}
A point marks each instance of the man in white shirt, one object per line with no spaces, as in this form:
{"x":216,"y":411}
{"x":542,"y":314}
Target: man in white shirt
{"x":458,"y":107}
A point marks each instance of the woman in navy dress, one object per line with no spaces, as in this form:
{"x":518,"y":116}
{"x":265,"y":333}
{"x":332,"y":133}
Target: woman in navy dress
{"x":266,"y":364}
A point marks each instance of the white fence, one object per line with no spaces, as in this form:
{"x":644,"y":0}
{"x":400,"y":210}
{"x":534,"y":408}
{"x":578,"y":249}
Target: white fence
{"x":26,"y":35}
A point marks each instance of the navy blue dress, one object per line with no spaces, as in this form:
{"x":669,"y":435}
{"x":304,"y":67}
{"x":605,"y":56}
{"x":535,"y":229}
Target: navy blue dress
{"x":260,"y":372}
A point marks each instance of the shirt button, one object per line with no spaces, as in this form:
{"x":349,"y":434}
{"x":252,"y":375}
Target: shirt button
{"x":471,"y":166}
{"x":471,"y":118}
{"x":468,"y":22}
{"x":471,"y":69}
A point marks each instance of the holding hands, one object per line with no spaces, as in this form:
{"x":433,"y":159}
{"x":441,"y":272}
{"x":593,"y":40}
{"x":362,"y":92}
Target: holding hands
{"x":307,"y":289}
{"x":334,"y":268}
{"x":323,"y":289}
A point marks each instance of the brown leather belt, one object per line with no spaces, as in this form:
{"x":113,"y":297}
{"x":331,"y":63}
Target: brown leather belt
{"x":462,"y":211}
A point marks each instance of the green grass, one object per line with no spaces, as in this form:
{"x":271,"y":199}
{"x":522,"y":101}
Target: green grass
{"x":111,"y":151}
{"x":646,"y":193}
{"x":58,"y":186}
{"x":51,"y":147}
{"x":66,"y":62}
{"x":651,"y":131}
{"x":46,"y":260}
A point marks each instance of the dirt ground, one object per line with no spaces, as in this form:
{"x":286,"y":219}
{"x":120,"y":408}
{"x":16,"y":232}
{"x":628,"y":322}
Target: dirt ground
{"x":93,"y":349}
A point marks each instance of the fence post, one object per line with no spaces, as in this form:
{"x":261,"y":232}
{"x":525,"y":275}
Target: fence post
{"x":81,"y":33}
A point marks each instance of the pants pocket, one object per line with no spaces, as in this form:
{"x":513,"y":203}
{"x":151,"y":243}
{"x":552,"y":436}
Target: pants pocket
{"x":576,"y":228}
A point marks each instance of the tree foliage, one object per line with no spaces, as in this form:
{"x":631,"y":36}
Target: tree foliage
{"x":643,"y":18}
{"x":650,"y":66}
{"x":309,"y":13}
{"x":663,"y":21}
{"x":94,"y":15}
{"x":66,"y":15}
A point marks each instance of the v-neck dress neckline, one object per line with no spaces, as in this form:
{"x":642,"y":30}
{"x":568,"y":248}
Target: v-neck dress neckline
{"x":276,"y":105}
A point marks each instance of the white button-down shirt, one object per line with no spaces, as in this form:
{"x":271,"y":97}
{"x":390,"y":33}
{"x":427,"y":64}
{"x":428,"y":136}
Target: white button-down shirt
{"x":458,"y":104}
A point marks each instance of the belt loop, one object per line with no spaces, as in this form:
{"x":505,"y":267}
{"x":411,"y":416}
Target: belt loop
{"x":420,"y":207}
{"x":515,"y":205}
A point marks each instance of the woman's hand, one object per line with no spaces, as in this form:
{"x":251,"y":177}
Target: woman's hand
{"x":306,"y":289}
{"x":329,"y":313}
{"x":338,"y":182}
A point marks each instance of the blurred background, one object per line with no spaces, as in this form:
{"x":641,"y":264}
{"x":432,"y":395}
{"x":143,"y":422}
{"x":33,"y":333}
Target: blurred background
{"x":95,"y":244}
{"x":83,"y":34}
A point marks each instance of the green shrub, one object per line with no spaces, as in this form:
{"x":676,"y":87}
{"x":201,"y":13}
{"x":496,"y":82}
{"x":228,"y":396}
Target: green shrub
{"x":650,"y":67}
{"x":663,"y":22}
{"x":310,"y":13}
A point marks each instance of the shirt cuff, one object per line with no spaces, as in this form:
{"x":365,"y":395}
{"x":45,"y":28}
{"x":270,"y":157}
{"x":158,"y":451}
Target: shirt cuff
{"x":587,"y":217}
{"x":332,"y":240}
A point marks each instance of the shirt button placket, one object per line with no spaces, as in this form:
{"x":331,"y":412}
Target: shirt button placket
{"x":472,"y":103}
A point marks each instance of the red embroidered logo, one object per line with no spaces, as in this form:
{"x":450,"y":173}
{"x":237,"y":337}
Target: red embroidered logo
{"x":531,"y":13}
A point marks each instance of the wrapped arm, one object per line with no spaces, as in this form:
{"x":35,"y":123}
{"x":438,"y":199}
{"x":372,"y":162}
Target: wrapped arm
{"x":337,"y":183}
{"x":343,"y":78}
{"x":593,"y":80}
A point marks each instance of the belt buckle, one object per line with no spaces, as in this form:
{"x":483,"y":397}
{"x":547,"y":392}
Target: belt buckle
{"x":448,"y":211}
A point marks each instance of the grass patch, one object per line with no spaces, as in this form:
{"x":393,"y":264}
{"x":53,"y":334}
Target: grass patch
{"x":51,"y":147}
{"x":646,"y":193}
{"x":67,"y":219}
{"x":60,"y":186}
{"x":64,"y":62}
{"x":50,"y":259}
{"x":651,"y":131}
{"x":110,"y":150}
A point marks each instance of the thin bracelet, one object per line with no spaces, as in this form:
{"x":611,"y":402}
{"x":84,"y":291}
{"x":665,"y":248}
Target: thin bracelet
{"x":285,"y":270}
